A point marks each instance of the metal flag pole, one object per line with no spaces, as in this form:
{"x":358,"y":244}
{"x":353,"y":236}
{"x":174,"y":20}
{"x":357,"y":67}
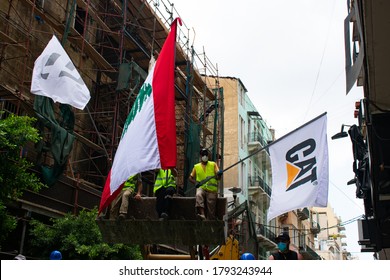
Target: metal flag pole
{"x":259,"y":150}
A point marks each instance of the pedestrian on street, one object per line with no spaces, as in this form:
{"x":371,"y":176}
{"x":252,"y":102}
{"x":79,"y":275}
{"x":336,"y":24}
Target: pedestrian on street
{"x":284,"y":252}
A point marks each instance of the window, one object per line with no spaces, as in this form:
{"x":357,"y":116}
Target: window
{"x":7,"y":108}
{"x":242,"y":176}
{"x":240,"y":97}
{"x":80,"y":20}
{"x":255,"y":129}
{"x":249,"y":130}
{"x":40,"y":3}
{"x":242,"y":132}
{"x":250,"y":168}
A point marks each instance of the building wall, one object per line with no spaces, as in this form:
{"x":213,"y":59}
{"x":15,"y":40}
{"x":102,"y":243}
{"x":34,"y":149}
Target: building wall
{"x":329,"y":240}
{"x":231,"y":152}
{"x":242,"y":120}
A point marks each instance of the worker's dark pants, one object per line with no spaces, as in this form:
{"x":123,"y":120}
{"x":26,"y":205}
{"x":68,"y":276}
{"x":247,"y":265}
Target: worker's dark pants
{"x":164,"y":200}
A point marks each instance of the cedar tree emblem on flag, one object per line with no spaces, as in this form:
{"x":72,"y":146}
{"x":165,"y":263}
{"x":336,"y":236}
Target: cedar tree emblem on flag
{"x":148,"y":140}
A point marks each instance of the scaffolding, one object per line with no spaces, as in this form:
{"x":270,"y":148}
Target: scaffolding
{"x":111,"y":44}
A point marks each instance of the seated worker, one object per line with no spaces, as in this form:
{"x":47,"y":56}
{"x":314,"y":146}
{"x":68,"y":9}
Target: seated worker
{"x":164,"y":189}
{"x":120,"y":205}
{"x":284,"y":252}
{"x":206,"y":192}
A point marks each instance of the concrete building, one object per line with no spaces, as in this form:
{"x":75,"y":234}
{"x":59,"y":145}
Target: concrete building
{"x":251,"y":180}
{"x":302,"y":231}
{"x":328,"y":242}
{"x":246,"y":132}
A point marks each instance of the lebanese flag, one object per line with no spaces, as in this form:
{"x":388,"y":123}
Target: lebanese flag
{"x":148,"y":140}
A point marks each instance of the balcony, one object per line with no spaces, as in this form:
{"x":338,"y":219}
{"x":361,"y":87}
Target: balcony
{"x":257,"y":181}
{"x":255,"y":141}
{"x":341,"y":228}
{"x":283,"y":216}
{"x":303,"y":214}
{"x":265,"y":237}
{"x":315,"y":227}
{"x":308,"y":253}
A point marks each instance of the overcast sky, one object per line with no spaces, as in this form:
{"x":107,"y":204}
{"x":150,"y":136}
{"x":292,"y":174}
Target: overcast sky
{"x":290,"y":56}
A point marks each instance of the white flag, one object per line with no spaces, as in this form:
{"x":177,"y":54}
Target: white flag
{"x":300,"y":176}
{"x":149,"y":135}
{"x":55,"y":76}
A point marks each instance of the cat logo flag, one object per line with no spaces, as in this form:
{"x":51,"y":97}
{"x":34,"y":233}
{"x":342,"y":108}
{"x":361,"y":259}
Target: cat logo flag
{"x":55,"y":76}
{"x":300,"y":176}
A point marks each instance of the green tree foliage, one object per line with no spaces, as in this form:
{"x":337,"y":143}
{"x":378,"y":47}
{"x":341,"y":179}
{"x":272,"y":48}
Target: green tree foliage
{"x":15,"y":133}
{"x":77,"y":238}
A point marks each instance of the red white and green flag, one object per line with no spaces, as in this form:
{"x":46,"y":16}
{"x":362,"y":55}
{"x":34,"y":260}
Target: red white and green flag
{"x":148,"y":140}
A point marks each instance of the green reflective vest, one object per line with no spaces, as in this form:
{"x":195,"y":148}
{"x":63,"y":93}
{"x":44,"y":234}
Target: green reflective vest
{"x":164,"y":179}
{"x":212,"y":184}
{"x":131,"y":183}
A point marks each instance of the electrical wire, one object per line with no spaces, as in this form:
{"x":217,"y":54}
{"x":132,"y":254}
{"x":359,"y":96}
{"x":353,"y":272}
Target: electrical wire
{"x":321,"y":229}
{"x":346,"y":195}
{"x":321,"y":61}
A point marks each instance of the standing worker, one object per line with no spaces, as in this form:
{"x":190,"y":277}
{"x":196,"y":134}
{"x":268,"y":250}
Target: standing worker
{"x":164,"y":189}
{"x":205,"y":175}
{"x":284,"y":252}
{"x":120,"y":205}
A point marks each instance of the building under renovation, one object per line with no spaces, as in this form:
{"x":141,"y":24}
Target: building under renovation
{"x":111,"y":44}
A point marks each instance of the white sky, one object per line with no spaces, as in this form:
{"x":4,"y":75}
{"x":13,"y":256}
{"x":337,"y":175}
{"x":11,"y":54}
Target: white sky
{"x":290,"y":57}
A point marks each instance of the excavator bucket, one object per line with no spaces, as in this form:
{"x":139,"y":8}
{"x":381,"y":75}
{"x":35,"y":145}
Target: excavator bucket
{"x":142,"y":225}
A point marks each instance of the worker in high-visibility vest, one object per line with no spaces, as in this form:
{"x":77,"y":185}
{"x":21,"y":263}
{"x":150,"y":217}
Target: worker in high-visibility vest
{"x":120,"y":205}
{"x":164,"y":189}
{"x":206,"y":192}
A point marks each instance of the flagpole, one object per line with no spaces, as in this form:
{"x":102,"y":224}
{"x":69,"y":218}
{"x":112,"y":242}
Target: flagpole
{"x":259,"y":150}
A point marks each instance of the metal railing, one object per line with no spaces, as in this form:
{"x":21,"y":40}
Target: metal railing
{"x":261,"y":229}
{"x":306,"y":250}
{"x":315,"y":227}
{"x":312,"y":253}
{"x":256,"y":137}
{"x":258,"y":181}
